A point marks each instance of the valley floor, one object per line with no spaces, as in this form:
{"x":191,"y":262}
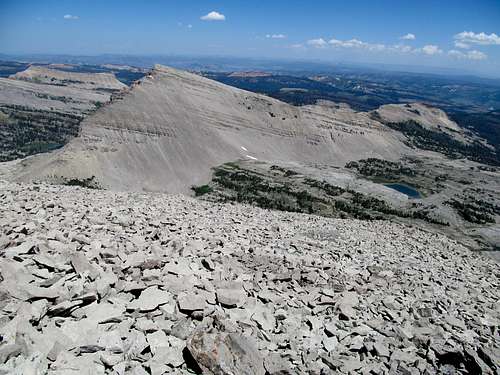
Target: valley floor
{"x":103,"y":282}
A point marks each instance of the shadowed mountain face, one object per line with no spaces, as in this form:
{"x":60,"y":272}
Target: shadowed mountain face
{"x":172,"y":127}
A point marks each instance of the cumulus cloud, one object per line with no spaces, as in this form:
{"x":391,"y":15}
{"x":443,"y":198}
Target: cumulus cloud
{"x":356,"y":43}
{"x":476,"y":55}
{"x":70,"y":17}
{"x":318,"y":43}
{"x":352,"y":43}
{"x":455,"y":53}
{"x":408,"y":36}
{"x":276,"y":36}
{"x":431,"y":49}
{"x":470,"y":55}
{"x":376,"y":47}
{"x":401,"y":48}
{"x":466,"y":38}
{"x":462,"y":45}
{"x":213,"y":16}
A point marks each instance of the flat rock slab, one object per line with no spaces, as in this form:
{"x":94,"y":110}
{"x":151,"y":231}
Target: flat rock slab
{"x":150,"y":299}
{"x":191,"y":302}
{"x":231,"y":297}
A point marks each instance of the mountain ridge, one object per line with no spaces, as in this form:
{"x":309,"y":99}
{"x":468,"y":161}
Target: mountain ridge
{"x":171,"y":127}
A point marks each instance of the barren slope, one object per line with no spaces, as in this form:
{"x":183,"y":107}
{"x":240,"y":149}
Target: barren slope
{"x":431,"y":118}
{"x":88,"y":81}
{"x":41,"y":108}
{"x":427,"y":116}
{"x":173,"y":126}
{"x":43,"y":97}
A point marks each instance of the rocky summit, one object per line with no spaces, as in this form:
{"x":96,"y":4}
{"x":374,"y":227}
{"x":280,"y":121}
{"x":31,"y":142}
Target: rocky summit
{"x":100,"y":282}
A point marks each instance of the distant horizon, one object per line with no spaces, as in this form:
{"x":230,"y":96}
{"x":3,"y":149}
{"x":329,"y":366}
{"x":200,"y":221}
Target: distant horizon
{"x":198,"y":58}
{"x":451,"y":34}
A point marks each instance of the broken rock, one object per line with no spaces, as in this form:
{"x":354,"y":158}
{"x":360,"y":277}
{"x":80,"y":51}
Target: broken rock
{"x":220,"y":353}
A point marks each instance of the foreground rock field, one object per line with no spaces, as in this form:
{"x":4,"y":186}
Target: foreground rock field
{"x":99,"y":282}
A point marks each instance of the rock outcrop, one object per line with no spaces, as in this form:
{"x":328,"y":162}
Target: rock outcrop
{"x":104,"y":282}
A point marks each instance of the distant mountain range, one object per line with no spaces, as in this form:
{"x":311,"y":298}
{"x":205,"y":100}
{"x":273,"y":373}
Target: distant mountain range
{"x":229,"y":64}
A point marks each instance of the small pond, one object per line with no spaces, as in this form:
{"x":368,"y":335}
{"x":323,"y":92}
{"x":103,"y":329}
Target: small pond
{"x":405,"y":189}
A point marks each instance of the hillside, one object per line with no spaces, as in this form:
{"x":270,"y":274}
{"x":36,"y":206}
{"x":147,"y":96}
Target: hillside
{"x":429,"y":117}
{"x":104,"y":282}
{"x":173,"y":130}
{"x":87,"y":81}
{"x":41,"y":108}
{"x":172,"y":127}
{"x":46,"y":97}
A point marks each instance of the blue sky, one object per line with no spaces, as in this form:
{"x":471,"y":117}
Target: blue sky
{"x":448,"y":33}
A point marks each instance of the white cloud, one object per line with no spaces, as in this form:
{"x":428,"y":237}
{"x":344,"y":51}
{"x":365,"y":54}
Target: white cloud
{"x":408,"y":36}
{"x":213,"y":16}
{"x":431,"y":49}
{"x":352,"y":43}
{"x":318,"y":43}
{"x":356,"y":43}
{"x":70,"y":17}
{"x":455,"y":53}
{"x":470,"y":55}
{"x":297,"y":46}
{"x":465,"y":38}
{"x":476,"y":55}
{"x":462,"y":45}
{"x":402,"y":48}
{"x":276,"y":36}
{"x":335,"y":42}
{"x":376,"y":47}
{"x":190,"y":26}
{"x":359,"y":45}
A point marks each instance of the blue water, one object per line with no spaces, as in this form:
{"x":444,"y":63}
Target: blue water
{"x":405,"y":189}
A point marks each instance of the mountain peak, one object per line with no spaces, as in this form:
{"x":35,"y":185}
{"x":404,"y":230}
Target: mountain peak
{"x":166,"y":133}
